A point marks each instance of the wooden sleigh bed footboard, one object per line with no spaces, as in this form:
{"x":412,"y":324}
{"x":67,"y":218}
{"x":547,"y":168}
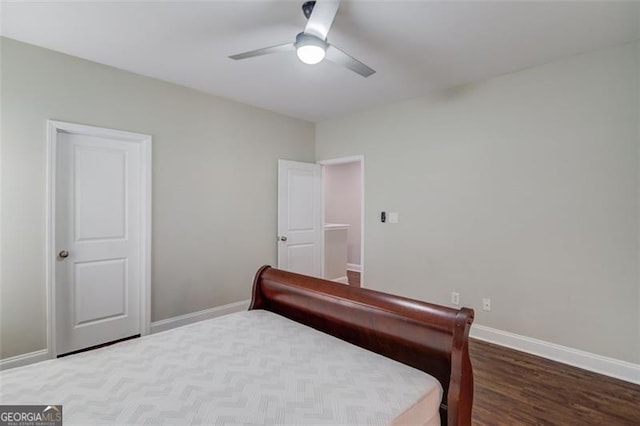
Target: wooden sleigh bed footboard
{"x":429,"y":337}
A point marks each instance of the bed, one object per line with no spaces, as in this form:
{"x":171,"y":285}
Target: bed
{"x":308,"y":351}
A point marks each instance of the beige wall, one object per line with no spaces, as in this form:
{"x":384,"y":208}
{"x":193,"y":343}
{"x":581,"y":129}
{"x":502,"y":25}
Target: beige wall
{"x":214,"y":182}
{"x":523,"y":188}
{"x":342,"y":202}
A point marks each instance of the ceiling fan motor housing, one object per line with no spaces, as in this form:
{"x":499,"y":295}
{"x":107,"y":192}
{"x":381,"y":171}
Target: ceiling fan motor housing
{"x":303,"y":39}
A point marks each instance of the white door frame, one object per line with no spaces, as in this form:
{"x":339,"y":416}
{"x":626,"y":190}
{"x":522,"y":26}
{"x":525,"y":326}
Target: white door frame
{"x":54,"y":128}
{"x":344,"y":160}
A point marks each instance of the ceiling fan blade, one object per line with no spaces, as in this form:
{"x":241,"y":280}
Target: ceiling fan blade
{"x":339,"y":57}
{"x":324,"y":12}
{"x":264,"y":51}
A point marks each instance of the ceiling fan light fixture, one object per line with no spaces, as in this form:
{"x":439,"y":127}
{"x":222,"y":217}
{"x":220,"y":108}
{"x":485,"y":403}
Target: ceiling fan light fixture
{"x":310,"y":49}
{"x":310,"y":54}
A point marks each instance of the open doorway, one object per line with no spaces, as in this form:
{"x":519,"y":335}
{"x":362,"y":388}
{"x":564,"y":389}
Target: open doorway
{"x":343,"y":212}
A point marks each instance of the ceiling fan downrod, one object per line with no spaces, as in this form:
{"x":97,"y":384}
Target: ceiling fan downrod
{"x":307,"y":8}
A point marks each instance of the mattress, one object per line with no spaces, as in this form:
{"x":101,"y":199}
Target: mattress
{"x":249,"y":368}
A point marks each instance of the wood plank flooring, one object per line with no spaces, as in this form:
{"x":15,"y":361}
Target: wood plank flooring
{"x":515,"y":388}
{"x":354,"y":278}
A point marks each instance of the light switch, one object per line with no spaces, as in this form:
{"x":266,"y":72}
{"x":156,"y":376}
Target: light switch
{"x":393,"y":217}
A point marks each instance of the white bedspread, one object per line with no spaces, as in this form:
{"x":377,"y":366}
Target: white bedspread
{"x":247,"y":368}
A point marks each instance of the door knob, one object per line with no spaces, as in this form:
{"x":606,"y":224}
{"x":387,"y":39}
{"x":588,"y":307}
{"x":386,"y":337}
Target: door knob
{"x":63,"y":254}
{"x":283,"y":238}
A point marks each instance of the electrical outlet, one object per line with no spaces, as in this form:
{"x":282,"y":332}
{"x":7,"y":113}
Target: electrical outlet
{"x":455,"y":298}
{"x":486,"y":304}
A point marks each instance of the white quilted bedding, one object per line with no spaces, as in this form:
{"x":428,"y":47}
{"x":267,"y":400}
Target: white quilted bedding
{"x":249,"y":368}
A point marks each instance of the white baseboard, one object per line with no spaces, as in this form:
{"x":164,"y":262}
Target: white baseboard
{"x":166,"y":324}
{"x":341,"y":280}
{"x":353,"y":267}
{"x":597,"y":363}
{"x":218,"y":311}
{"x":24,"y":359}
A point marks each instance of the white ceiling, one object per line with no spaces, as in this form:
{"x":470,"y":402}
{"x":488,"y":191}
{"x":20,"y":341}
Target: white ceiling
{"x":415,"y":46}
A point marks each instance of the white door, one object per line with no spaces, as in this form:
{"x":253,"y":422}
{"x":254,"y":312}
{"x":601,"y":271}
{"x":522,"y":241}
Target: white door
{"x":300,"y":217}
{"x":99,"y":225}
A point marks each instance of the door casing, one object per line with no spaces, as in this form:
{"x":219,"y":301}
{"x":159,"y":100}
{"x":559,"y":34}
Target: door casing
{"x":54,"y":128}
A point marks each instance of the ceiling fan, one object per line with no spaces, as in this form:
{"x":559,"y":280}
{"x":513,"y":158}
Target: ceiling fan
{"x":311,"y":44}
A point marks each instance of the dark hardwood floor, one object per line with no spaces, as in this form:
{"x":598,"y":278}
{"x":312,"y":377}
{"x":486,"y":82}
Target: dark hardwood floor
{"x":515,"y":388}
